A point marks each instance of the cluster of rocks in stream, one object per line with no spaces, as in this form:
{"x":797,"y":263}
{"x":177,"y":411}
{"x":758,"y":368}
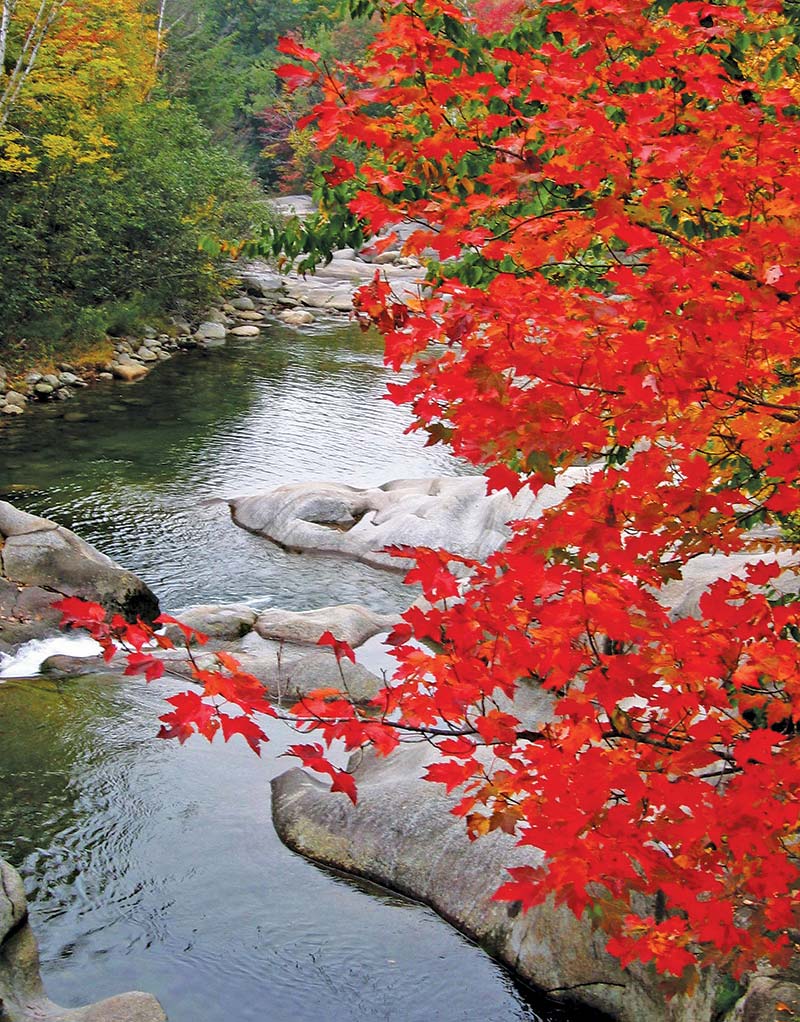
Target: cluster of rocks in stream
{"x":58,"y":386}
{"x":401,"y":833}
{"x":134,"y":357}
{"x":298,"y":299}
{"x":264,"y":294}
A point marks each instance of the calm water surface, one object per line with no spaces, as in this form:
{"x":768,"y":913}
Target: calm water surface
{"x":156,"y":867}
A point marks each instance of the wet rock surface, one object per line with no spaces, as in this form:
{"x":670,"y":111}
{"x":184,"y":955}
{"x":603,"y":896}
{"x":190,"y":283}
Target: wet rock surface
{"x":41,"y":561}
{"x":456,"y":514}
{"x":401,"y":834}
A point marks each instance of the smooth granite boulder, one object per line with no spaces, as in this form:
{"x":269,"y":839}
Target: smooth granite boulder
{"x":683,"y":595}
{"x":290,"y":681}
{"x":456,"y":514}
{"x":41,"y":561}
{"x":402,"y":835}
{"x":349,"y":622}
{"x":226,"y":621}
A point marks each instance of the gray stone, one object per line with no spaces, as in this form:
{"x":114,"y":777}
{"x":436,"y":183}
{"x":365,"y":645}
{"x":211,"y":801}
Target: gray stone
{"x":215,"y":316}
{"x":32,"y":378}
{"x":22,"y":996}
{"x":293,"y":205}
{"x":289,"y":681}
{"x":218,"y":621}
{"x":453,"y":513}
{"x":349,"y":622}
{"x":72,"y":666}
{"x":68,"y":379}
{"x":296,"y":317}
{"x":245,"y":331}
{"x":401,"y":834}
{"x":149,"y":332}
{"x":41,"y":561}
{"x":147,"y":354}
{"x":43,"y":389}
{"x":15,"y":398}
{"x":760,"y":998}
{"x":183,"y":328}
{"x":682,"y":596}
{"x":211,"y":331}
{"x":64,"y":394}
{"x":262,"y":280}
{"x":243,"y":304}
{"x":250,"y":317}
{"x":105,"y":376}
{"x":51,"y":379}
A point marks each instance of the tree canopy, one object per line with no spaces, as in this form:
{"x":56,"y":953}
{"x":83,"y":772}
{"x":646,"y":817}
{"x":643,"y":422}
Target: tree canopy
{"x":107,"y":186}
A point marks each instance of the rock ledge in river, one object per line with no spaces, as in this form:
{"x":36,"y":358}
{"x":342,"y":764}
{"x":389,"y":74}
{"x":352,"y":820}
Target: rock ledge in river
{"x":402,"y":835}
{"x":456,"y":514}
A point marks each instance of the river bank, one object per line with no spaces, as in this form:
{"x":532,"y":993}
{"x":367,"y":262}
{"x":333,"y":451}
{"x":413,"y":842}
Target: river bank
{"x":260,"y":296}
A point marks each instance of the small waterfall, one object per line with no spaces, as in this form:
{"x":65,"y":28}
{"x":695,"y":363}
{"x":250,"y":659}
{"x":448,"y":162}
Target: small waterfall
{"x":28,"y":659}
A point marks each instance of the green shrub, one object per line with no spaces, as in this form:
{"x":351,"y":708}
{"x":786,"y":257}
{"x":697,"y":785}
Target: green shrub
{"x":85,"y":248}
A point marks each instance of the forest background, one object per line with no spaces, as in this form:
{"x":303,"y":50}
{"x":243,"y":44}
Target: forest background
{"x":136,"y":144}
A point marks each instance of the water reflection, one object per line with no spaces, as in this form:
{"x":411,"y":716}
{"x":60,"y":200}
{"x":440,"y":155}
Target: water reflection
{"x":156,"y":867}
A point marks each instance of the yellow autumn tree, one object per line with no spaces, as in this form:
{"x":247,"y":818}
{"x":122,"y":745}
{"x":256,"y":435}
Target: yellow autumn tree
{"x":66,"y":66}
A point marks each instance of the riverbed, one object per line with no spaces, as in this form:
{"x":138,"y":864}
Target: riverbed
{"x":154,"y":866}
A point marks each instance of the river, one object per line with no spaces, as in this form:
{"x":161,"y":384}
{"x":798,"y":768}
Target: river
{"x":153,"y":866}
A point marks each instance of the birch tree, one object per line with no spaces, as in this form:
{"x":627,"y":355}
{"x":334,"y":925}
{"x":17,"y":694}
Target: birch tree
{"x":36,"y":26}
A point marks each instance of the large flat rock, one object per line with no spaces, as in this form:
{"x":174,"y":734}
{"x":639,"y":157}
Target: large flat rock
{"x":455,"y":514}
{"x":349,"y":622}
{"x":402,"y":835}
